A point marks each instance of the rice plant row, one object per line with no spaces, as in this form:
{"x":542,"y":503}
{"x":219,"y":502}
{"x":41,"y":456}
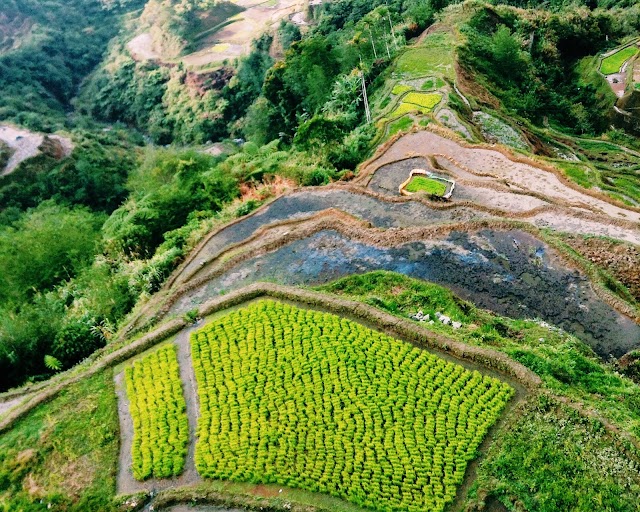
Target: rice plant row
{"x":158,"y":410}
{"x":309,"y":400}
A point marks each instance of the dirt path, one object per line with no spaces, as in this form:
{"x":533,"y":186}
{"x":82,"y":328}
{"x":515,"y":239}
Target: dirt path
{"x":26,"y":144}
{"x":10,"y":404}
{"x":231,"y":41}
{"x":141,"y":48}
{"x":126,"y":483}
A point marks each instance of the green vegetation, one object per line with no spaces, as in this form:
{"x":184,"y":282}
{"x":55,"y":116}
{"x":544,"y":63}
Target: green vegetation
{"x":399,"y":89}
{"x":64,"y":454}
{"x":405,"y":108}
{"x":543,"y":79}
{"x":416,"y":102}
{"x":426,"y":185}
{"x":5,"y":155}
{"x":614,"y":62}
{"x":495,"y":129}
{"x":554,"y":459}
{"x":158,"y":411}
{"x":281,"y":388}
{"x":69,"y":276}
{"x":582,"y":174}
{"x":94,"y":175}
{"x":432,"y":83}
{"x":44,"y":247}
{"x":565,"y":364}
{"x":402,"y":124}
{"x":433,"y":57}
{"x":546,"y":459}
{"x":425,"y":101}
{"x":607,"y":165}
{"x":86,"y":238}
{"x":49,"y":50}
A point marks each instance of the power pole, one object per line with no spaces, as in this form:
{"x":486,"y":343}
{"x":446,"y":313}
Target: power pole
{"x":367,"y":110}
{"x":375,"y":53}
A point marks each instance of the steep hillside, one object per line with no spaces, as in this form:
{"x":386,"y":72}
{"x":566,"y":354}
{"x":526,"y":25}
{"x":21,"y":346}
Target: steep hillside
{"x":47,"y":50}
{"x":388,"y":261}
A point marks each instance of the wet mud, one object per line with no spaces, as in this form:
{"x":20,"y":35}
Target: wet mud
{"x":388,"y":178}
{"x":509,"y":272}
{"x":379,"y":213}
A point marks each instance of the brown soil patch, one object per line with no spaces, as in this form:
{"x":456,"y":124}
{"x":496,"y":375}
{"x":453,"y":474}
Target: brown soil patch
{"x":264,"y":491}
{"x":620,"y":259}
{"x":230,"y":42}
{"x":25,"y":144}
{"x":75,"y":475}
{"x":32,"y":487}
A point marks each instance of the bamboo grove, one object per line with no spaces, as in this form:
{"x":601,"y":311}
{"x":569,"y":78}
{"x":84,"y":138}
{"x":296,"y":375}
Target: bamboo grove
{"x":158,"y":411}
{"x":310,"y":400}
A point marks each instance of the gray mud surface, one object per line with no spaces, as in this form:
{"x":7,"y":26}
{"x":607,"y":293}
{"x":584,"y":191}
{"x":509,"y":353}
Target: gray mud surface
{"x":380,"y":213}
{"x":509,"y":272}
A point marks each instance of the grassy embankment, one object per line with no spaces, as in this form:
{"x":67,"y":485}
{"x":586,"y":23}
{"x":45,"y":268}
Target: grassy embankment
{"x":64,"y":454}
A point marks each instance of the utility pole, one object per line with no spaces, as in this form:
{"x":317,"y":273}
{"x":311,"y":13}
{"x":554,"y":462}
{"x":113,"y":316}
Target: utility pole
{"x":375,"y":53}
{"x":367,"y":110}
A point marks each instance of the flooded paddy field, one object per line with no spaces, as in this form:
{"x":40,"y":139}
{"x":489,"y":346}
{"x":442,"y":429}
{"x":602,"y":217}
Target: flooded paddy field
{"x":509,"y":272}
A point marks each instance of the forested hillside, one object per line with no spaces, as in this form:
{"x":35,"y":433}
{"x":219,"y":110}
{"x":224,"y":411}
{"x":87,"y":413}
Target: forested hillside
{"x":462,"y":175}
{"x":47,"y":49}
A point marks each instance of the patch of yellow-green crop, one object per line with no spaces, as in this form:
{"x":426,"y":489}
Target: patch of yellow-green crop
{"x":424,"y":100}
{"x":399,"y":89}
{"x":613,"y":63}
{"x":318,"y":402}
{"x":158,"y":411}
{"x":427,"y":185}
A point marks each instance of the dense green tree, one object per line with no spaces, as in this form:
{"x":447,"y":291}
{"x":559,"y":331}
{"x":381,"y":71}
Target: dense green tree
{"x":165,"y":189}
{"x":46,"y":246}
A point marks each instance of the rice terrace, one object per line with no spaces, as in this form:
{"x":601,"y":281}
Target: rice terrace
{"x":324,"y":256}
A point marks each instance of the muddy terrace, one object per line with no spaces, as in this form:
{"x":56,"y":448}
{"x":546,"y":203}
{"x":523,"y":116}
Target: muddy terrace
{"x":509,"y":272}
